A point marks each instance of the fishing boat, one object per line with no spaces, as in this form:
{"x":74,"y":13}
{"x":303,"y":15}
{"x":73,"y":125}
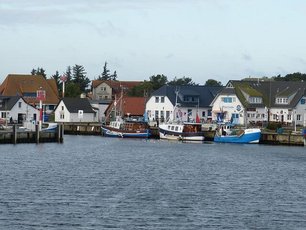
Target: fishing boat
{"x":126,"y":128}
{"x":185,"y":131}
{"x":226,"y":134}
{"x":49,"y":127}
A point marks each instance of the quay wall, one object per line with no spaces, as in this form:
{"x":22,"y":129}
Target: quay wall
{"x":15,"y":136}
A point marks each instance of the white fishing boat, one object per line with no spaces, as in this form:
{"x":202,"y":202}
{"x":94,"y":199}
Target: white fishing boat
{"x":187,"y":131}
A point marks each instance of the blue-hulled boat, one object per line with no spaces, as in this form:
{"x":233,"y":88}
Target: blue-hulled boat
{"x":243,"y":136}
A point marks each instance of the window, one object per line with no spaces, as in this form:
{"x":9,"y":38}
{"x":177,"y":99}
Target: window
{"x":19,"y":104}
{"x":289,"y":118}
{"x":227,"y":99}
{"x":281,"y":100}
{"x":156,"y":114}
{"x":162,"y":99}
{"x":167,"y":115}
{"x":303,"y":101}
{"x":62,"y":116}
{"x":156,"y":99}
{"x":298,"y":117}
{"x":162,"y":114}
{"x":203,"y":114}
{"x":3,"y":114}
{"x":62,"y":107}
{"x":255,"y":100}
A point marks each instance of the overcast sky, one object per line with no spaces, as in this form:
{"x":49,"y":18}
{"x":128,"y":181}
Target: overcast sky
{"x":200,"y":39}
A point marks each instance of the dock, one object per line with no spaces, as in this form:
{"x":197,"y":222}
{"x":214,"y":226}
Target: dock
{"x":270,"y":138}
{"x":16,"y":135}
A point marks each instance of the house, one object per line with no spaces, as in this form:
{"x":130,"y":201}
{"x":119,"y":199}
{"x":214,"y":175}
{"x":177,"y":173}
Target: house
{"x":255,"y":102}
{"x":126,"y":107}
{"x":106,"y":90}
{"x":27,"y":86}
{"x":16,"y":109}
{"x":75,"y":110}
{"x":101,"y":106}
{"x":181,"y":102}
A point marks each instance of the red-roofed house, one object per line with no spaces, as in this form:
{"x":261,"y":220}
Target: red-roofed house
{"x":26,"y":86}
{"x":127,"y":107}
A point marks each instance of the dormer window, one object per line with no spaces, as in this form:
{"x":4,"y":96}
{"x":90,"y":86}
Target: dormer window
{"x":255,"y":100}
{"x":156,"y":99}
{"x":162,"y":99}
{"x":190,"y":99}
{"x":281,"y":100}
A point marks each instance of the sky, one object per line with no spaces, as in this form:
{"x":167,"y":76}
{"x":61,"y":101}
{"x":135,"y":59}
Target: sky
{"x":200,"y":39}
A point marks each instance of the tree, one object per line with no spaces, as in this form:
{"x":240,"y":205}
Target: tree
{"x":182,"y":81}
{"x":158,"y":81}
{"x":68,"y":74}
{"x":212,"y":82}
{"x":291,"y":77}
{"x":142,"y":90}
{"x":79,"y":77}
{"x":113,"y":77}
{"x":39,"y":71}
{"x":72,"y":90}
{"x":56,"y":77}
{"x":105,"y":74}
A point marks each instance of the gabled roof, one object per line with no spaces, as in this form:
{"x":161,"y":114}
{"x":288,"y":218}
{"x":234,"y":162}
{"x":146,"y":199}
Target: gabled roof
{"x":133,"y":106}
{"x":206,"y":94}
{"x":116,"y":85}
{"x":8,"y":102}
{"x":20,"y":85}
{"x":75,"y":104}
{"x":269,"y":91}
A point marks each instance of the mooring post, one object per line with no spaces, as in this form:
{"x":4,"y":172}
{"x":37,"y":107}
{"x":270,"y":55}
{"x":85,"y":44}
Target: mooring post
{"x":15,"y":134}
{"x":37,"y":133}
{"x":62,"y":129}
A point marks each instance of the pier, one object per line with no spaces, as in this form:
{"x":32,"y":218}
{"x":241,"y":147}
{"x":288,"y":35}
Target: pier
{"x":16,"y":135}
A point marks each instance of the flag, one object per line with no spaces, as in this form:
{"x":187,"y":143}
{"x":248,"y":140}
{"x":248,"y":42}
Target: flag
{"x":198,"y":119}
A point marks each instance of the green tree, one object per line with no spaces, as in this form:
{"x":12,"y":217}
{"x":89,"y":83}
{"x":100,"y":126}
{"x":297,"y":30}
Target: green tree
{"x":68,"y":73}
{"x":142,"y":90}
{"x":39,"y":71}
{"x":291,"y":77}
{"x":105,"y":74}
{"x":158,"y":81}
{"x":212,"y":82}
{"x":79,"y":77}
{"x":56,"y":77}
{"x":113,"y":77}
{"x":182,"y":81}
{"x":72,"y":90}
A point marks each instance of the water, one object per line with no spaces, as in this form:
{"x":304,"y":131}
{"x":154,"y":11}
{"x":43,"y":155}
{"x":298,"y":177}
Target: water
{"x":103,"y":183}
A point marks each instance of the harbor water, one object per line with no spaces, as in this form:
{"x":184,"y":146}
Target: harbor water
{"x":93,"y":182}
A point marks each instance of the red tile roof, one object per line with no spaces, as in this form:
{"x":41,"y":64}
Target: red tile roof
{"x":23,"y":85}
{"x":132,"y":106}
{"x":117,"y":84}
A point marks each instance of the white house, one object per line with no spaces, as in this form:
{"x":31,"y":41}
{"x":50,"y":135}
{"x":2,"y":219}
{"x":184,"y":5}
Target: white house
{"x":181,"y":103}
{"x":75,"y":110}
{"x":226,"y":107}
{"x":255,"y":102}
{"x":15,"y":108}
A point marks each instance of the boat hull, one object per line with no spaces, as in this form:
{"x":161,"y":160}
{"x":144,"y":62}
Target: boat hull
{"x":248,"y":137}
{"x":110,"y":132}
{"x":182,"y":136}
